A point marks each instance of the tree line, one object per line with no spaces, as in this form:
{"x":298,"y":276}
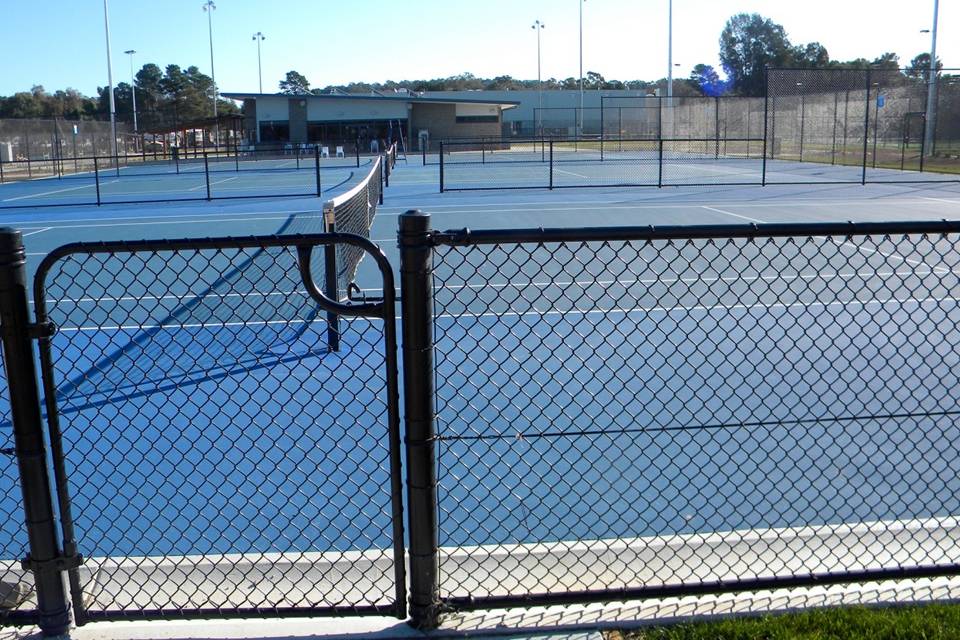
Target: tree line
{"x":165,"y":99}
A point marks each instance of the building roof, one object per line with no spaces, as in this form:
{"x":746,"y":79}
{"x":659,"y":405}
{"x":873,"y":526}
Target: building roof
{"x":411,"y":97}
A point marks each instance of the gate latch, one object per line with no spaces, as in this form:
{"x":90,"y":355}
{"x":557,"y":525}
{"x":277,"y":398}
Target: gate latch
{"x":42,"y":330}
{"x":60,"y":563}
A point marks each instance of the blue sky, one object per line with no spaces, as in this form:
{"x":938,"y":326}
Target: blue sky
{"x":60,"y":43}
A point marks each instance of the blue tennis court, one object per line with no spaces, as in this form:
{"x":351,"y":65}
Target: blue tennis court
{"x":585,"y":390}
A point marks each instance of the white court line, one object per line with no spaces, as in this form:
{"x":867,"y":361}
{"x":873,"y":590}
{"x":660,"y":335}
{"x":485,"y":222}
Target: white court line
{"x":944,"y":200}
{"x":36,"y":232}
{"x":505,"y":314}
{"x":212,"y":183}
{"x":939,"y":270}
{"x":571,"y":173}
{"x":50,"y":193}
{"x":735,"y":215}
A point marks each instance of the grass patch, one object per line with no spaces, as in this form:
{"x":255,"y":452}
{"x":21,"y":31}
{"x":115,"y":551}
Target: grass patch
{"x":926,"y":622}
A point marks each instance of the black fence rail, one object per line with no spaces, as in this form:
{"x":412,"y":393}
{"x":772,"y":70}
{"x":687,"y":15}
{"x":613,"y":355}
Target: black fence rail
{"x":591,"y":414}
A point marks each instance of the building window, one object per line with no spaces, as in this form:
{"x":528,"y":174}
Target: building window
{"x":275,"y":131}
{"x":469,"y":119}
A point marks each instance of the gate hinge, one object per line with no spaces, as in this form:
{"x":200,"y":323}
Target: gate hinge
{"x":60,"y":563}
{"x":42,"y":330}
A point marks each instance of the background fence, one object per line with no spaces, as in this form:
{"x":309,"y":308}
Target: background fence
{"x":590,"y":414}
{"x":813,"y":126}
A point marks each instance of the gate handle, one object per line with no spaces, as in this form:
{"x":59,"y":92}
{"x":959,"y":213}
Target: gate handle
{"x":374,"y":309}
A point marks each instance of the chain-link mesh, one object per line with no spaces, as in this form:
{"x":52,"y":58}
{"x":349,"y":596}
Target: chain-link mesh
{"x":220,"y":457}
{"x":632,"y":414}
{"x":867,"y":124}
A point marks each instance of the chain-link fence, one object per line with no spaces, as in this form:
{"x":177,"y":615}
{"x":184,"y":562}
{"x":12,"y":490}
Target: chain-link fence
{"x":40,"y":139}
{"x":629,"y":413}
{"x":591,"y":414}
{"x":869,"y":125}
{"x":479,"y":165}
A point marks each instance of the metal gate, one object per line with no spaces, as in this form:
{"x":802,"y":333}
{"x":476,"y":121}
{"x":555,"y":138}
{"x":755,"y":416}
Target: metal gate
{"x":224,"y":429}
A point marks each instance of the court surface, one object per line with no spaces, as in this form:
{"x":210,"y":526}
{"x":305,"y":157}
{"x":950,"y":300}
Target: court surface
{"x":102,"y":424}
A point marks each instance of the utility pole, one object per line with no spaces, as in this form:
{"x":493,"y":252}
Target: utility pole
{"x":113,"y":106}
{"x":209,"y":7}
{"x":259,"y":37}
{"x":133,"y":89}
{"x":580,"y":128}
{"x":930,"y":121}
{"x":538,"y":26}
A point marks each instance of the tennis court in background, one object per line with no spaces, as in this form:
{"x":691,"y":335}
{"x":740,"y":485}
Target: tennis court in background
{"x":587,"y":390}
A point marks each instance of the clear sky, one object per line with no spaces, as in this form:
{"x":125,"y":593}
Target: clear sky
{"x":60,"y":43}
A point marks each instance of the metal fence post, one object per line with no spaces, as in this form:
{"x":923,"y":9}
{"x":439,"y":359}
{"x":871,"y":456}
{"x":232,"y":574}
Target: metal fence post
{"x":96,"y":178}
{"x":416,"y":295}
{"x":601,"y":127}
{"x":660,"y":163}
{"x":236,"y":156}
{"x":423,"y":151}
{"x":206,"y":173}
{"x":551,"y":165}
{"x":330,"y":286}
{"x":866,"y":130}
{"x":358,"y":152}
{"x":1,"y":171}
{"x":766,"y":101}
{"x":44,"y":559}
{"x":316,"y":166}
{"x":441,"y":166}
{"x":716,"y":127}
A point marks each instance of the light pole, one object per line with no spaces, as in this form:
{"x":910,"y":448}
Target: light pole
{"x":209,"y":7}
{"x":580,"y":129}
{"x":670,"y":52}
{"x":113,"y":106}
{"x":133,"y":88}
{"x":259,"y":37}
{"x":538,"y":26}
{"x":929,"y":125}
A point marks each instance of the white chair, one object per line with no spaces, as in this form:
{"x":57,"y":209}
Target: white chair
{"x":324,"y":152}
{"x":339,"y":151}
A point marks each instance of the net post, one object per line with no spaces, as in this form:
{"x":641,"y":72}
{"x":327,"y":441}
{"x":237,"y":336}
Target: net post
{"x":416,"y":298}
{"x":866,"y":129}
{"x":96,"y":177}
{"x":660,"y":163}
{"x":330,"y":288}
{"x":441,"y":166}
{"x":380,"y":171}
{"x":423,"y":151}
{"x":1,"y":171}
{"x":483,"y":151}
{"x":385,"y":168}
{"x":206,"y":173}
{"x":176,"y":159}
{"x":766,"y":112}
{"x":357,"y":152}
{"x":53,"y":605}
{"x":316,"y":168}
{"x":236,"y":156}
{"x":551,"y":165}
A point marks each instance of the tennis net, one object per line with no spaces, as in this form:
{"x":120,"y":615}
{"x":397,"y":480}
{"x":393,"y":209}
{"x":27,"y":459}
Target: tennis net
{"x":353,"y":212}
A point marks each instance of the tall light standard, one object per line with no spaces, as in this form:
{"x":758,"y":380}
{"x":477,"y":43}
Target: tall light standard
{"x":580,"y":129}
{"x":538,"y":26}
{"x":209,"y":7}
{"x":113,"y":106}
{"x":670,"y":52}
{"x":259,"y":37}
{"x":133,"y":88}
{"x":931,"y":116}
